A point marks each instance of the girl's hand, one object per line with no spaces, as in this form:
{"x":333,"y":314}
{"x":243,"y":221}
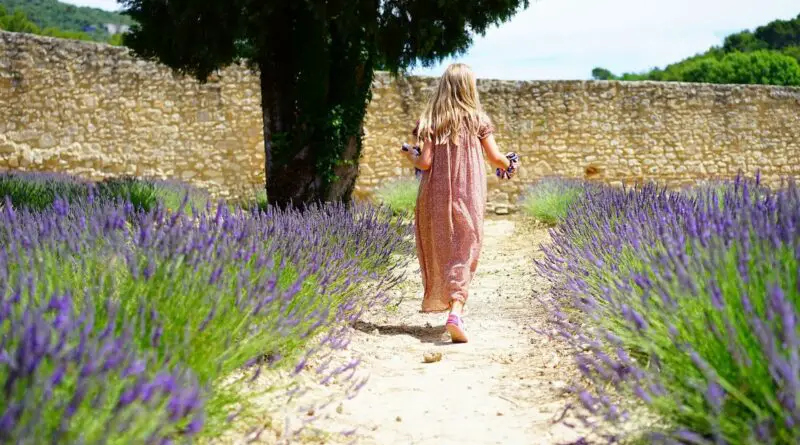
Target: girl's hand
{"x":412,"y":153}
{"x":409,"y":150}
{"x":513,"y":165}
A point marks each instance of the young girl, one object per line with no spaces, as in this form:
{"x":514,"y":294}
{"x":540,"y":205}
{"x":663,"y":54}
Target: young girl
{"x":453,"y":134}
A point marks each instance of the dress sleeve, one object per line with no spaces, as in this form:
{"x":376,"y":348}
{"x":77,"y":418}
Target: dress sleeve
{"x":485,"y":128}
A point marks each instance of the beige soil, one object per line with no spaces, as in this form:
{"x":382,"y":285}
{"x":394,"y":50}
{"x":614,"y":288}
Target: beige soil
{"x":506,"y":386}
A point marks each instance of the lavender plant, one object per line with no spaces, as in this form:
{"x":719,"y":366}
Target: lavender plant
{"x":68,"y":379}
{"x":145,"y":194}
{"x":689,"y":304}
{"x":38,"y":190}
{"x":200,"y":294}
{"x":718,"y":187}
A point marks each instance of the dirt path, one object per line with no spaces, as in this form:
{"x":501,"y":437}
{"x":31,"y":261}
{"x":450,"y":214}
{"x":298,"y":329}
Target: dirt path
{"x":504,"y":387}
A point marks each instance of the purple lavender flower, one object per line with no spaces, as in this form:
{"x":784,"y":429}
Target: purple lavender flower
{"x":196,"y":296}
{"x":704,"y":287}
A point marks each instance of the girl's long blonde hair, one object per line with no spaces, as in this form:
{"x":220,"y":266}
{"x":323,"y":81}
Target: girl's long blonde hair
{"x":454,"y":105}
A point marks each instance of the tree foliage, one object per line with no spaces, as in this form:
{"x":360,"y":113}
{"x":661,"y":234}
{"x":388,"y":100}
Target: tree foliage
{"x":776,"y":35}
{"x":65,"y":20}
{"x":768,"y":55}
{"x":757,"y":67}
{"x":602,"y":74}
{"x":18,"y":21}
{"x":316,"y":60}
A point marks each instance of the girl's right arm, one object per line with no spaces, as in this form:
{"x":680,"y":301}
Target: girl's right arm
{"x":493,"y":155}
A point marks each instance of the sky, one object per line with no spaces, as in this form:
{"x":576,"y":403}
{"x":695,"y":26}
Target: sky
{"x":565,"y":39}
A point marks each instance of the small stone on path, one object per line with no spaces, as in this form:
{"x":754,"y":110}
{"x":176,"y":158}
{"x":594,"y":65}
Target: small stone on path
{"x":432,"y":357}
{"x":559,"y":386}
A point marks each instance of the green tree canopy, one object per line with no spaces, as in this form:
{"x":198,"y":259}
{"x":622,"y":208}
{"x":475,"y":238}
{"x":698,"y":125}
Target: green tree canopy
{"x":316,"y":60}
{"x":780,"y":34}
{"x":743,"y":41}
{"x":757,"y":67}
{"x":16,"y":22}
{"x":602,"y":74}
{"x":20,"y":22}
{"x":67,"y":19}
{"x":768,"y":55}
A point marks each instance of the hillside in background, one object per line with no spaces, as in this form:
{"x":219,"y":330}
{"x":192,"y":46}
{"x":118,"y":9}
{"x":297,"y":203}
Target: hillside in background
{"x":71,"y":21}
{"x":768,"y":55}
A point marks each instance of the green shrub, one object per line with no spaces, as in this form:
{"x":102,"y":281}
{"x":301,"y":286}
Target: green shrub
{"x":399,"y":195}
{"x":549,"y":200}
{"x":254,"y":199}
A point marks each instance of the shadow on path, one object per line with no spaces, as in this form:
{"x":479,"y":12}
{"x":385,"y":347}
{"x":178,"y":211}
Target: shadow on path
{"x":425,"y":334}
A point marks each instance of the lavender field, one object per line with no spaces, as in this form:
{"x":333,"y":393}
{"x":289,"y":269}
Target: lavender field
{"x":683,"y":306}
{"x":141,"y":312}
{"x":125,"y":307}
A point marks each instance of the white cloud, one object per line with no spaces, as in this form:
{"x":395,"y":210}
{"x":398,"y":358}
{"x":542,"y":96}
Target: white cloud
{"x":565,"y":39}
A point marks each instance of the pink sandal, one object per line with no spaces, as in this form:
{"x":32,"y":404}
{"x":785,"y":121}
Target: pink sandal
{"x":455,"y":327}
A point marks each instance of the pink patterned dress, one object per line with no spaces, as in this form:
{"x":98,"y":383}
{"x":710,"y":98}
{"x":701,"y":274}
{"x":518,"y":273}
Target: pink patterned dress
{"x":451,"y":205}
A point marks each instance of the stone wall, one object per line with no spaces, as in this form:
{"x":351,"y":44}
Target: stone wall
{"x":95,"y":111}
{"x":610,"y":131}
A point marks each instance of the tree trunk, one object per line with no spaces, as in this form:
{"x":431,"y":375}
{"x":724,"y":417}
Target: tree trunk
{"x":294,"y":175}
{"x":347,"y":172}
{"x":314,"y":95}
{"x":358,"y":84}
{"x":290,"y":172}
